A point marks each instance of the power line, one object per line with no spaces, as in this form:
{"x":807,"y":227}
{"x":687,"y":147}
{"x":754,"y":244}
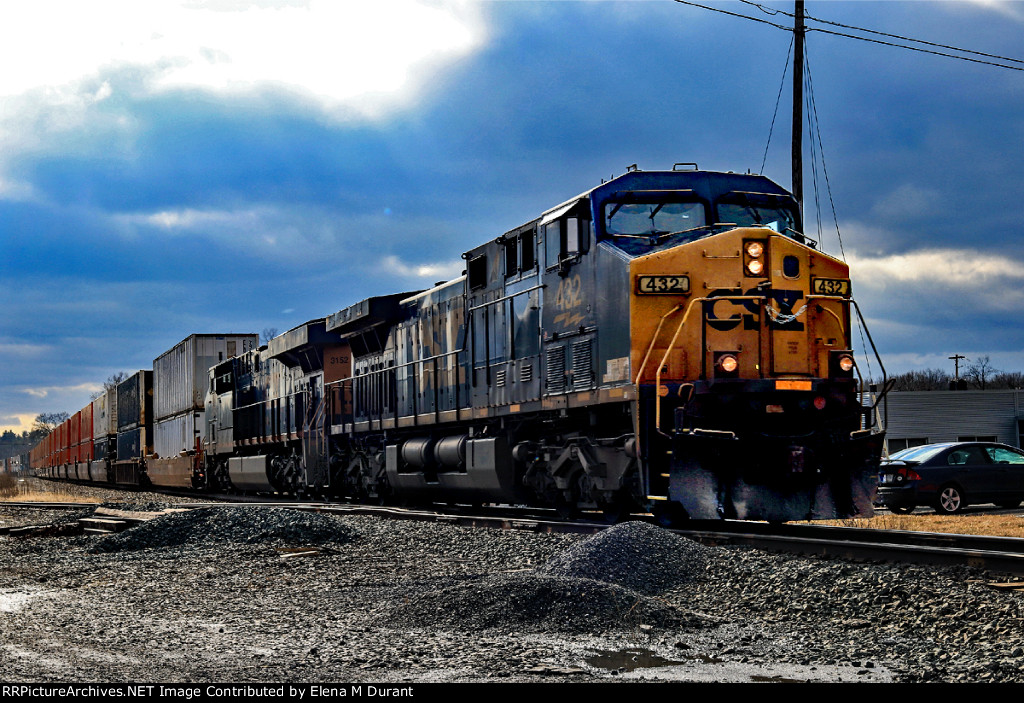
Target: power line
{"x":735,"y":14}
{"x":778,"y":99}
{"x":810,"y":18}
{"x":866,"y":39}
{"x":915,"y":48}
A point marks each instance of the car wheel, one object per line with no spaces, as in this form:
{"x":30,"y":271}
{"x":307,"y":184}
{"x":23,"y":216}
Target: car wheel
{"x":951,"y":501}
{"x":903,"y":509}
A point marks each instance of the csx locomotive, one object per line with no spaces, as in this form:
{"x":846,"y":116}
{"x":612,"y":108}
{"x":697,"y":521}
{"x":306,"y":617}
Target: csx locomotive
{"x":666,"y":341}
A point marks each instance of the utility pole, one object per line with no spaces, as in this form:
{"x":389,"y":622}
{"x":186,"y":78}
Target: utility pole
{"x":956,"y":385}
{"x":798,"y":105}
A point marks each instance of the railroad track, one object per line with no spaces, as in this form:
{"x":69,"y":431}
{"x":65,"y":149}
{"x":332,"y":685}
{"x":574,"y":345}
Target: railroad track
{"x":995,"y":554}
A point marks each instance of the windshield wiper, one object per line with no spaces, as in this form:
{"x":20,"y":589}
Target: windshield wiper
{"x":661,"y":236}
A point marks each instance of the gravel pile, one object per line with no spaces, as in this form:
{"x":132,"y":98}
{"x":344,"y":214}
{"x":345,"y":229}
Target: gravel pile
{"x":635,"y":555}
{"x":530,"y":602}
{"x":230,"y":525}
{"x":596,"y":585}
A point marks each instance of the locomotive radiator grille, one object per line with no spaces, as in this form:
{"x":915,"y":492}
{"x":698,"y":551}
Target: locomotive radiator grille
{"x":555,"y":377}
{"x":582,"y":375}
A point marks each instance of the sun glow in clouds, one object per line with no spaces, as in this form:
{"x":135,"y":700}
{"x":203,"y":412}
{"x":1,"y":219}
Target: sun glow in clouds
{"x":956,"y":267}
{"x":333,"y":53}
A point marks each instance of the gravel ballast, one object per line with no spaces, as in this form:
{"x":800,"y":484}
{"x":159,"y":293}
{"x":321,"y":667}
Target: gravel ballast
{"x":266,"y":594}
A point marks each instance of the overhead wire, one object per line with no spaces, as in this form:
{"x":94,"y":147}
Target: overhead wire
{"x":734,"y":14}
{"x":821,"y":150}
{"x":778,"y":99}
{"x":808,"y":17}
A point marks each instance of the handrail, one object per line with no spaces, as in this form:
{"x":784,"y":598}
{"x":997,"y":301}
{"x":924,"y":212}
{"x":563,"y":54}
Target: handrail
{"x":672,"y":343}
{"x":686,"y":315}
{"x":654,"y":339}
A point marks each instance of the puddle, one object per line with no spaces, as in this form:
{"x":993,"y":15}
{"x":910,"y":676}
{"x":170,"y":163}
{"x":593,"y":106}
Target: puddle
{"x":629,"y":660}
{"x":13,"y":601}
{"x":775,"y":679}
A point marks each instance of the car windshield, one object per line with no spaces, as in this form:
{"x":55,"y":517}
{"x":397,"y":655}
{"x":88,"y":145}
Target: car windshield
{"x":639,"y":228}
{"x":776,"y":218}
{"x":918,"y":453}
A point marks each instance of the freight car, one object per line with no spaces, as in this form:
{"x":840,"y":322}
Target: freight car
{"x":666,"y":341}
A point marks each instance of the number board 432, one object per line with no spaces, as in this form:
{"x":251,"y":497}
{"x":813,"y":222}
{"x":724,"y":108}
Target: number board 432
{"x":830,"y":286}
{"x":662,"y":285}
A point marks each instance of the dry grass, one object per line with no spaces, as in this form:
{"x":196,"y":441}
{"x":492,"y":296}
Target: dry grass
{"x":996,"y":525}
{"x":35,"y":491}
{"x":8,"y":485}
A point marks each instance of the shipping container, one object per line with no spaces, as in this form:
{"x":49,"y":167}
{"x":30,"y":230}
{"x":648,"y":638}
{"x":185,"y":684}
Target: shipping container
{"x":85,"y":432}
{"x":76,"y":426}
{"x":181,"y":375}
{"x":132,"y":444}
{"x":104,"y":414}
{"x":174,"y":436}
{"x":135,"y":401}
{"x":175,"y":454}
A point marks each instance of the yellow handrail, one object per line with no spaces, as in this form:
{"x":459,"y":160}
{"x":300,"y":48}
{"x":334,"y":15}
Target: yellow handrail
{"x":672,"y":343}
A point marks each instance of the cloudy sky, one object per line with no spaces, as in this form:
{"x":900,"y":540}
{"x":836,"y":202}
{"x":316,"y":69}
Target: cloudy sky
{"x":228,"y":166}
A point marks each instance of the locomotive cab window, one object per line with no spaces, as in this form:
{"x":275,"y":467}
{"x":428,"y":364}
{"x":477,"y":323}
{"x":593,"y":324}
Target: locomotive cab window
{"x":520,"y":252}
{"x":476,"y":272}
{"x":758,"y":210}
{"x":639,"y":228}
{"x":565,"y":238}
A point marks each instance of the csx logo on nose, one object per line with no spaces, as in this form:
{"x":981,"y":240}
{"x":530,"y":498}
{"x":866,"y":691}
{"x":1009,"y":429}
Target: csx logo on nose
{"x":725,"y":314}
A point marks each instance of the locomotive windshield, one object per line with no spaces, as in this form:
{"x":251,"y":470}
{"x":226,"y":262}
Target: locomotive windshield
{"x":640,"y":228}
{"x":773,"y":217}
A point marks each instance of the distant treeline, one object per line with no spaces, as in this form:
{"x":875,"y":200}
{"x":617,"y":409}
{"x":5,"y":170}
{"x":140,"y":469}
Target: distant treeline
{"x":974,"y":375}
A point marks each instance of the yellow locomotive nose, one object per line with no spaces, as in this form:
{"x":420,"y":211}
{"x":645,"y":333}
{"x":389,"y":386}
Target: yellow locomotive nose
{"x":743,"y":371}
{"x":748,"y":303}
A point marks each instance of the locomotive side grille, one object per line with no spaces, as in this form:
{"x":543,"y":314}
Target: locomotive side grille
{"x":581,"y":365}
{"x":499,"y":377}
{"x":526,"y":373}
{"x":554,"y":379}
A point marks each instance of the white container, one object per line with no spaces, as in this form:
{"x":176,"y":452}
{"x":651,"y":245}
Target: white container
{"x":175,"y":436}
{"x":181,"y":374}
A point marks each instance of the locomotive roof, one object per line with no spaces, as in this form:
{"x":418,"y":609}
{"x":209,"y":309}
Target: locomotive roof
{"x":707,"y":184}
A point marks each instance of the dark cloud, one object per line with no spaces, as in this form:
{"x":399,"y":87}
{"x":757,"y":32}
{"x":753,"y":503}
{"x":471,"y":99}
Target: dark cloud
{"x":163,"y":215}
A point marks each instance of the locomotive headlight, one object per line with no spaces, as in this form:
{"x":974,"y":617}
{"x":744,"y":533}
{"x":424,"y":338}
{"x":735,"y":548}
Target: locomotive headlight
{"x":727,"y":365}
{"x":753,"y":263}
{"x":841,"y":364}
{"x":846,"y":363}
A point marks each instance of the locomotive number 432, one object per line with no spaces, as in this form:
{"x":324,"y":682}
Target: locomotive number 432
{"x":830,"y":286}
{"x":662,"y":285}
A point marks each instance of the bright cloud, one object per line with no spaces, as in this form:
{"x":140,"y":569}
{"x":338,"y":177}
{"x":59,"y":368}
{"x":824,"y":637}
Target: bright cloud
{"x":16,"y":423}
{"x":434,"y":271}
{"x":332,"y":52}
{"x":63,"y":390}
{"x":950,"y":267}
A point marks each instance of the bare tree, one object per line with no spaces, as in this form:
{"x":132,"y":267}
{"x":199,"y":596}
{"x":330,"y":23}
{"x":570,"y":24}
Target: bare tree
{"x":267,"y":334}
{"x":111,"y":382}
{"x":980,"y":371}
{"x":45,"y":423}
{"x":1008,"y":379}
